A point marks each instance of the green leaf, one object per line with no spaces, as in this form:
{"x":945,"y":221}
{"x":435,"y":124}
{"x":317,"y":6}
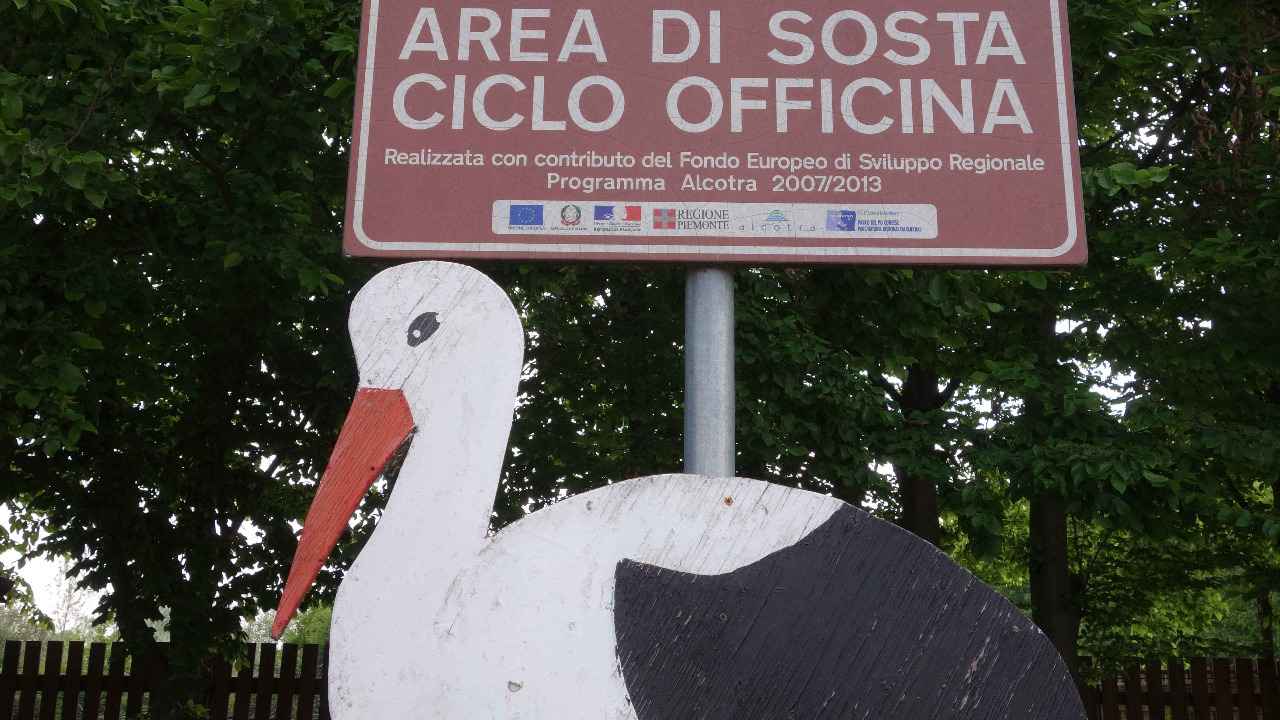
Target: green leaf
{"x":1155,"y":478}
{"x":86,"y":341}
{"x":1124,"y":173}
{"x":1037,"y":280}
{"x":1142,"y":28}
{"x":937,"y":290}
{"x":11,"y":106}
{"x":1271,"y":528}
{"x":74,"y":176}
{"x":97,"y":197}
{"x":70,"y":377}
{"x":232,"y":259}
{"x":95,"y":308}
{"x":93,"y":157}
{"x":195,"y":95}
{"x":27,"y":399}
{"x":338,"y":88}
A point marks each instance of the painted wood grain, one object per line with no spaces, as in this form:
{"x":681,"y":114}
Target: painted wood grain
{"x":858,"y":619}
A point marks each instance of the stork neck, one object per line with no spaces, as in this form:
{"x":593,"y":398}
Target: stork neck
{"x":443,"y":497}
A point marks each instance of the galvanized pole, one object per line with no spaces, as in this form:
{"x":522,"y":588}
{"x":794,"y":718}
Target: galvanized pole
{"x":708,"y":372}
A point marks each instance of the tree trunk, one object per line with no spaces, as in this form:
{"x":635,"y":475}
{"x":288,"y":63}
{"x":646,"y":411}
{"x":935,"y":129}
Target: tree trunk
{"x":1267,"y":624}
{"x":1266,"y":609}
{"x":917,"y":487}
{"x":919,"y":503}
{"x":1052,"y":597}
{"x":1054,"y":606}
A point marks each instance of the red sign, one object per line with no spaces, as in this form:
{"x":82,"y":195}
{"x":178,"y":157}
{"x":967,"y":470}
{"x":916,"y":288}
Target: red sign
{"x":717,"y":132}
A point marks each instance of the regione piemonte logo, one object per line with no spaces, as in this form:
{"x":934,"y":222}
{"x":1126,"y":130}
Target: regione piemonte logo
{"x":664,"y":219}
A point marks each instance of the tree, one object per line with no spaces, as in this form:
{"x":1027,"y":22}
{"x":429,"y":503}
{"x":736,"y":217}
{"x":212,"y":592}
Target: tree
{"x":169,"y":291}
{"x":20,"y":618}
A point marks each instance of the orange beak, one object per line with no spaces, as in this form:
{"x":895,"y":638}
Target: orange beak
{"x":376,"y":426}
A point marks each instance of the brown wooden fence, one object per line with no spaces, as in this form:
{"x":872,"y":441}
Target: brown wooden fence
{"x":1221,"y":689}
{"x":98,"y":681}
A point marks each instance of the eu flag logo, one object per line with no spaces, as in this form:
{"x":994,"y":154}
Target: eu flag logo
{"x":525,"y":215}
{"x":604,"y":212}
{"x":842,"y":220}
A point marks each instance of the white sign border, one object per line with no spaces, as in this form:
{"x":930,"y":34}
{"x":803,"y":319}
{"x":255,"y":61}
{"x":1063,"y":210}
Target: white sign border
{"x":553,"y":249}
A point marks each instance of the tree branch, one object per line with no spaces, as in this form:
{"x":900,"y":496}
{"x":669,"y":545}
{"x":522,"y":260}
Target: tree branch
{"x":950,"y":391}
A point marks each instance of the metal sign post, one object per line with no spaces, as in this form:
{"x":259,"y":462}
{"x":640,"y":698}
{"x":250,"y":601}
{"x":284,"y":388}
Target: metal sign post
{"x":708,"y":372}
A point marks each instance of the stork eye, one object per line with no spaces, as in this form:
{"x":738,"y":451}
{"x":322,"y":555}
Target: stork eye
{"x":422,"y":327}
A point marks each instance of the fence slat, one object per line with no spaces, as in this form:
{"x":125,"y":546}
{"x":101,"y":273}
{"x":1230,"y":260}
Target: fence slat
{"x":71,"y":685}
{"x":266,"y":681}
{"x":244,"y":686}
{"x":1270,"y":689}
{"x":286,"y":686}
{"x":51,"y":677}
{"x":157,"y":677}
{"x":1246,"y":702}
{"x":1223,"y":701}
{"x":1178,"y":690}
{"x":1110,"y":699}
{"x":1200,"y":687}
{"x":93,"y":680}
{"x":1155,"y":690}
{"x":136,"y":685}
{"x":1092,"y":697}
{"x":308,"y":682}
{"x":9,"y":677}
{"x":1090,"y":694}
{"x":1133,"y":692}
{"x":114,"y":684}
{"x":221,"y":683}
{"x":28,"y":683}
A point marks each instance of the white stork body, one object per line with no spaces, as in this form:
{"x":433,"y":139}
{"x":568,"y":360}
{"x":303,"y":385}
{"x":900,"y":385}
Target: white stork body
{"x":665,"y":598}
{"x":521,"y":625}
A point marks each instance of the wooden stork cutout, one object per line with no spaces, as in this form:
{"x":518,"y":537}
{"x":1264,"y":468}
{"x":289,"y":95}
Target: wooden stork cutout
{"x":672,"y":597}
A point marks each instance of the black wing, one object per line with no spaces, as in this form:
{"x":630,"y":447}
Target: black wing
{"x":859,"y":620}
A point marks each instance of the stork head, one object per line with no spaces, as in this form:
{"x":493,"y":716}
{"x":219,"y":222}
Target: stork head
{"x":417,"y":330}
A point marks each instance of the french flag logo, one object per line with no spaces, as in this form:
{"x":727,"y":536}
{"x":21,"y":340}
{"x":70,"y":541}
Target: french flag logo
{"x":617,"y":213}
